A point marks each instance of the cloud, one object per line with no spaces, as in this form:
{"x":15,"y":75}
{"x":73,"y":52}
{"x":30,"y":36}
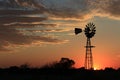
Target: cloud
{"x":64,"y":8}
{"x":47,"y":30}
{"x":113,"y":9}
{"x":11,"y":19}
{"x":30,"y":3}
{"x":67,"y":8}
{"x":106,"y":8}
{"x":20,"y":20}
{"x":10,"y":36}
{"x":9,"y":4}
{"x":53,"y":8}
{"x":19,"y":12}
{"x":83,"y":9}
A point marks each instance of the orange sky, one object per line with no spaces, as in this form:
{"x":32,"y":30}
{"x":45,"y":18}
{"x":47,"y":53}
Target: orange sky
{"x":45,"y":32}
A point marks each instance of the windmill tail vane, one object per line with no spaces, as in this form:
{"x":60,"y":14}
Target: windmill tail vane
{"x":78,"y":30}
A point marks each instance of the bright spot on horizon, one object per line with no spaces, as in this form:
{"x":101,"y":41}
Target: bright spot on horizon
{"x":96,"y":68}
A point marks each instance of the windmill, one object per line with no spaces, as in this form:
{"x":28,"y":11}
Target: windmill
{"x":89,"y":32}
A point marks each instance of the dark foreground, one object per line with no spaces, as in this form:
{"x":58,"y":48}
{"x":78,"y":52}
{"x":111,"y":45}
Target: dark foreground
{"x":58,"y":74}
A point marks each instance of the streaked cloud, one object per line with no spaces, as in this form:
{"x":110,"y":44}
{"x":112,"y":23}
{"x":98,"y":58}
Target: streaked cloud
{"x":62,"y":8}
{"x":21,"y":20}
{"x":11,"y":36}
{"x":106,"y":8}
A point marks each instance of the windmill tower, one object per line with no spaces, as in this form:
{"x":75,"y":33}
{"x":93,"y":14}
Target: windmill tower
{"x":89,"y":32}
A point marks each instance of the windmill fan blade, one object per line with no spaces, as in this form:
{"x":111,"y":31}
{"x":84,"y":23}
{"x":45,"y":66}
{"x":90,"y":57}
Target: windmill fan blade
{"x":78,"y":30}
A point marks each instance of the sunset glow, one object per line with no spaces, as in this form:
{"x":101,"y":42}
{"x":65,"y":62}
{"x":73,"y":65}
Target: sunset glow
{"x":39,"y":32}
{"x":96,"y":67}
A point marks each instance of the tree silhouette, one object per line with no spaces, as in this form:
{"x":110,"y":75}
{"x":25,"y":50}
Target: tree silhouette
{"x":64,"y":63}
{"x":25,"y":66}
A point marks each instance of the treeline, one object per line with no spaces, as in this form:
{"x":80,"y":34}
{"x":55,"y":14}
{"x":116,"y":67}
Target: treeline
{"x":59,"y":70}
{"x":18,"y":73}
{"x":57,"y":66}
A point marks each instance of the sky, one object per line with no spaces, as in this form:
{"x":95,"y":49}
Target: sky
{"x":39,"y":32}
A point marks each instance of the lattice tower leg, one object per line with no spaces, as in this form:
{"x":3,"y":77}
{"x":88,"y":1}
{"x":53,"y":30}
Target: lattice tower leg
{"x":88,"y":55}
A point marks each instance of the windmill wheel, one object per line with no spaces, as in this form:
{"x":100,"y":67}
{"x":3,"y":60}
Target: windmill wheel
{"x":90,"y":30}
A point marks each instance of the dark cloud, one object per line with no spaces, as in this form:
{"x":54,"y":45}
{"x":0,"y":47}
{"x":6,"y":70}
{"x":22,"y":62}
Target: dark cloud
{"x":31,"y":25}
{"x":10,"y":36}
{"x":11,"y":19}
{"x":21,"y":7}
{"x":15,"y":17}
{"x":62,"y":8}
{"x":109,"y":8}
{"x":67,"y":8}
{"x":113,"y":8}
{"x":20,"y":12}
{"x":81,"y":8}
{"x":30,"y":3}
{"x":8,"y":3}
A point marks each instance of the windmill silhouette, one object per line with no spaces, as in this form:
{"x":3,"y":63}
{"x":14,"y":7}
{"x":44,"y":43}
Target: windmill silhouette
{"x":89,"y":32}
